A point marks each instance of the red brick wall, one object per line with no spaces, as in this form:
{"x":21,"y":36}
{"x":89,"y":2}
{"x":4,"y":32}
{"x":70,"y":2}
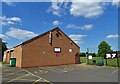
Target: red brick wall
{"x":8,"y":57}
{"x":40,"y":53}
{"x":18,"y":55}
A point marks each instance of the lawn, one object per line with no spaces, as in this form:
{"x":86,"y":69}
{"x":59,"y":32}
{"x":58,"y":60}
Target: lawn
{"x":110,"y":62}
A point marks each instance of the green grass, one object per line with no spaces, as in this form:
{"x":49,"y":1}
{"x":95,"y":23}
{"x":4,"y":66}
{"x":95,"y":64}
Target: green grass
{"x":110,"y":62}
{"x":5,"y":63}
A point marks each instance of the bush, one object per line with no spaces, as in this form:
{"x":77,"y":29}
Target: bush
{"x":5,"y":63}
{"x":82,"y":54}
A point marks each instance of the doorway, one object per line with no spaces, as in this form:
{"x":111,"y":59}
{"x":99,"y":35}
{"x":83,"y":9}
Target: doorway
{"x":77,"y":58}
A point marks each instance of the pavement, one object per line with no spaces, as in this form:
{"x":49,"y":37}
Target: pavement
{"x":62,"y":73}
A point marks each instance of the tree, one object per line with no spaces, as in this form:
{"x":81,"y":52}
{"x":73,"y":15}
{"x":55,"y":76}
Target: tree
{"x":103,"y":48}
{"x":82,"y":54}
{"x":3,"y":48}
{"x":93,"y":54}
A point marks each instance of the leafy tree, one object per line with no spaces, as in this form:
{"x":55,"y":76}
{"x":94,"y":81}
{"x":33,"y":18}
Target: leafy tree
{"x":82,"y":54}
{"x":103,"y":48}
{"x":93,"y":54}
{"x":3,"y":47}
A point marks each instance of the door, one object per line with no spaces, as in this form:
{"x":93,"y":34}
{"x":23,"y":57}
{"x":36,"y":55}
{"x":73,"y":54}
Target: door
{"x":77,"y":58}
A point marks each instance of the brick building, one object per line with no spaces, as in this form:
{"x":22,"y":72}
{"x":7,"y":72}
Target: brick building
{"x":7,"y":55}
{"x":51,"y":48}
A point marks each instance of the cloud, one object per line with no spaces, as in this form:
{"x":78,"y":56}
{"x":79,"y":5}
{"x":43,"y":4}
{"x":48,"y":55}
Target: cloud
{"x":15,"y":19}
{"x":116,"y":3}
{"x":20,"y":34}
{"x":77,"y":38}
{"x":87,"y":27}
{"x":112,"y":36}
{"x":9,"y":3}
{"x":2,"y":17}
{"x":80,"y":8}
{"x":115,"y":48}
{"x":72,"y":26}
{"x":54,"y":9}
{"x":56,"y":23}
{"x":9,"y":21}
{"x":86,"y":9}
{"x":9,"y":47}
{"x":4,"y":37}
{"x":58,"y":7}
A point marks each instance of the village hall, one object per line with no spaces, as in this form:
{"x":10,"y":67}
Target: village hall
{"x":51,"y":48}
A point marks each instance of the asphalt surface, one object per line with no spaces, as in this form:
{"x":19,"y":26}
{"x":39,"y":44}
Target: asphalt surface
{"x":63,"y":73}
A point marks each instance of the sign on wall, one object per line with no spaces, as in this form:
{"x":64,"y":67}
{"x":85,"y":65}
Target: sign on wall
{"x":57,"y":49}
{"x":90,"y":57}
{"x":111,"y":55}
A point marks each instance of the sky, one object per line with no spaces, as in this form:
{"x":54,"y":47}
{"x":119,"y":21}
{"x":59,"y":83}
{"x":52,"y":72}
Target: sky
{"x":86,"y":23}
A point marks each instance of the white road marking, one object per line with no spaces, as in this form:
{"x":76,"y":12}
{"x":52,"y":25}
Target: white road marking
{"x":46,"y":71}
{"x":12,"y":73}
{"x":41,"y":72}
{"x":57,"y":69}
{"x":35,"y":72}
{"x":68,"y":69}
{"x":38,"y":77}
{"x":18,"y":78}
{"x":7,"y":70}
{"x":115,"y":71}
{"x":36,"y":81}
{"x":51,"y":69}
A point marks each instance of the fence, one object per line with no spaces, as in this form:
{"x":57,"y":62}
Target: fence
{"x":110,"y":62}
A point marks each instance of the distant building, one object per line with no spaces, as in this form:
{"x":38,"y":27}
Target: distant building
{"x":8,"y":54}
{"x":51,"y":48}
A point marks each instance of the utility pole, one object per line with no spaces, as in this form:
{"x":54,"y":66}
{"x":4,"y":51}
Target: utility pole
{"x":117,"y":59}
{"x":87,"y":61}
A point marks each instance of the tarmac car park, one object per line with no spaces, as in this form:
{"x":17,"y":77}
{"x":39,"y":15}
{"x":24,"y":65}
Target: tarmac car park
{"x":62,"y":73}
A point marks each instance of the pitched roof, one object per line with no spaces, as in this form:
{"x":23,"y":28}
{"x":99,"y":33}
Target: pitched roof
{"x":34,"y":38}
